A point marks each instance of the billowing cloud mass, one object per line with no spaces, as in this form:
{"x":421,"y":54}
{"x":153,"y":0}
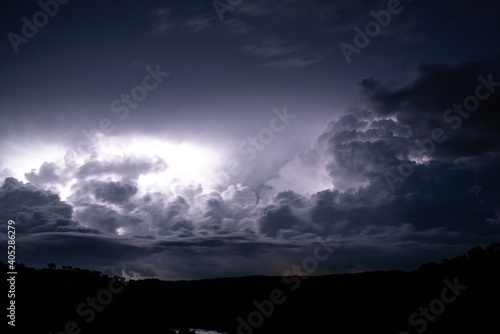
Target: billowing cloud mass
{"x":36,"y":210}
{"x":410,"y":159}
{"x":119,"y":122}
{"x":401,"y":174}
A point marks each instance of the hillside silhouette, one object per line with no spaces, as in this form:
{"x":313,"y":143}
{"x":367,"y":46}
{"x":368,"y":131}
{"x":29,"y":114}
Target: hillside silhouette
{"x":372,"y":302}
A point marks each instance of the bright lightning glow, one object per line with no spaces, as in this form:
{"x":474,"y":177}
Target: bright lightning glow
{"x":23,"y":157}
{"x":187,"y":163}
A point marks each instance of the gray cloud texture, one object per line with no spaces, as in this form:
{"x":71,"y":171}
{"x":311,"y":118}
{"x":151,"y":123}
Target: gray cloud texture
{"x":108,"y":218}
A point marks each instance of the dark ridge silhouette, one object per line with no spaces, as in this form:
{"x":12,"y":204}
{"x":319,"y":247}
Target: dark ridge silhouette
{"x":370,"y":302}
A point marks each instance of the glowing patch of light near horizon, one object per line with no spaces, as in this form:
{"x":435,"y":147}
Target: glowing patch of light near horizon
{"x":187,"y":163}
{"x":23,"y":157}
{"x":419,"y":157}
{"x":424,"y":159}
{"x":300,"y":178}
{"x":65,"y":191}
{"x":387,"y":118}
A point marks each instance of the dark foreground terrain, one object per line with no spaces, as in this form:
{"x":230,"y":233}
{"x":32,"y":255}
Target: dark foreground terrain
{"x":459,"y":295}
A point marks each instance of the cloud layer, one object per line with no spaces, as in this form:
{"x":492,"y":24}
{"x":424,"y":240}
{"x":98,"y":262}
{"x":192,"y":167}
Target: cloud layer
{"x":387,"y":187}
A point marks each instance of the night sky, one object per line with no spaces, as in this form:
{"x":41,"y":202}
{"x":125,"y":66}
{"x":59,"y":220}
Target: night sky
{"x":198,"y":139}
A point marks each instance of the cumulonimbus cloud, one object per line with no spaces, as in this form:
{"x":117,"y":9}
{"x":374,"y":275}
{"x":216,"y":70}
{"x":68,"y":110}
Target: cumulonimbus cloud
{"x":436,"y":204}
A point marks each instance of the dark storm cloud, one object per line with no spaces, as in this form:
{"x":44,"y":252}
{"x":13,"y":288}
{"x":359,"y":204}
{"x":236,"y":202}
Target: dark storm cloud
{"x":423,"y":106}
{"x":36,"y":210}
{"x":434,"y":88}
{"x":227,"y":212}
{"x":290,"y":198}
{"x":114,"y":192}
{"x":451,"y":197}
{"x":109,"y":220}
{"x":167,"y":216}
{"x":127,"y":166}
{"x":108,"y":192}
{"x":175,"y":217}
{"x":16,"y":194}
{"x":357,"y":151}
{"x":362,"y":146}
{"x":275,"y":220}
{"x":215,"y":211}
{"x":49,"y":173}
{"x":231,"y":255}
{"x":172,"y":259}
{"x":449,"y":203}
{"x":438,"y":198}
